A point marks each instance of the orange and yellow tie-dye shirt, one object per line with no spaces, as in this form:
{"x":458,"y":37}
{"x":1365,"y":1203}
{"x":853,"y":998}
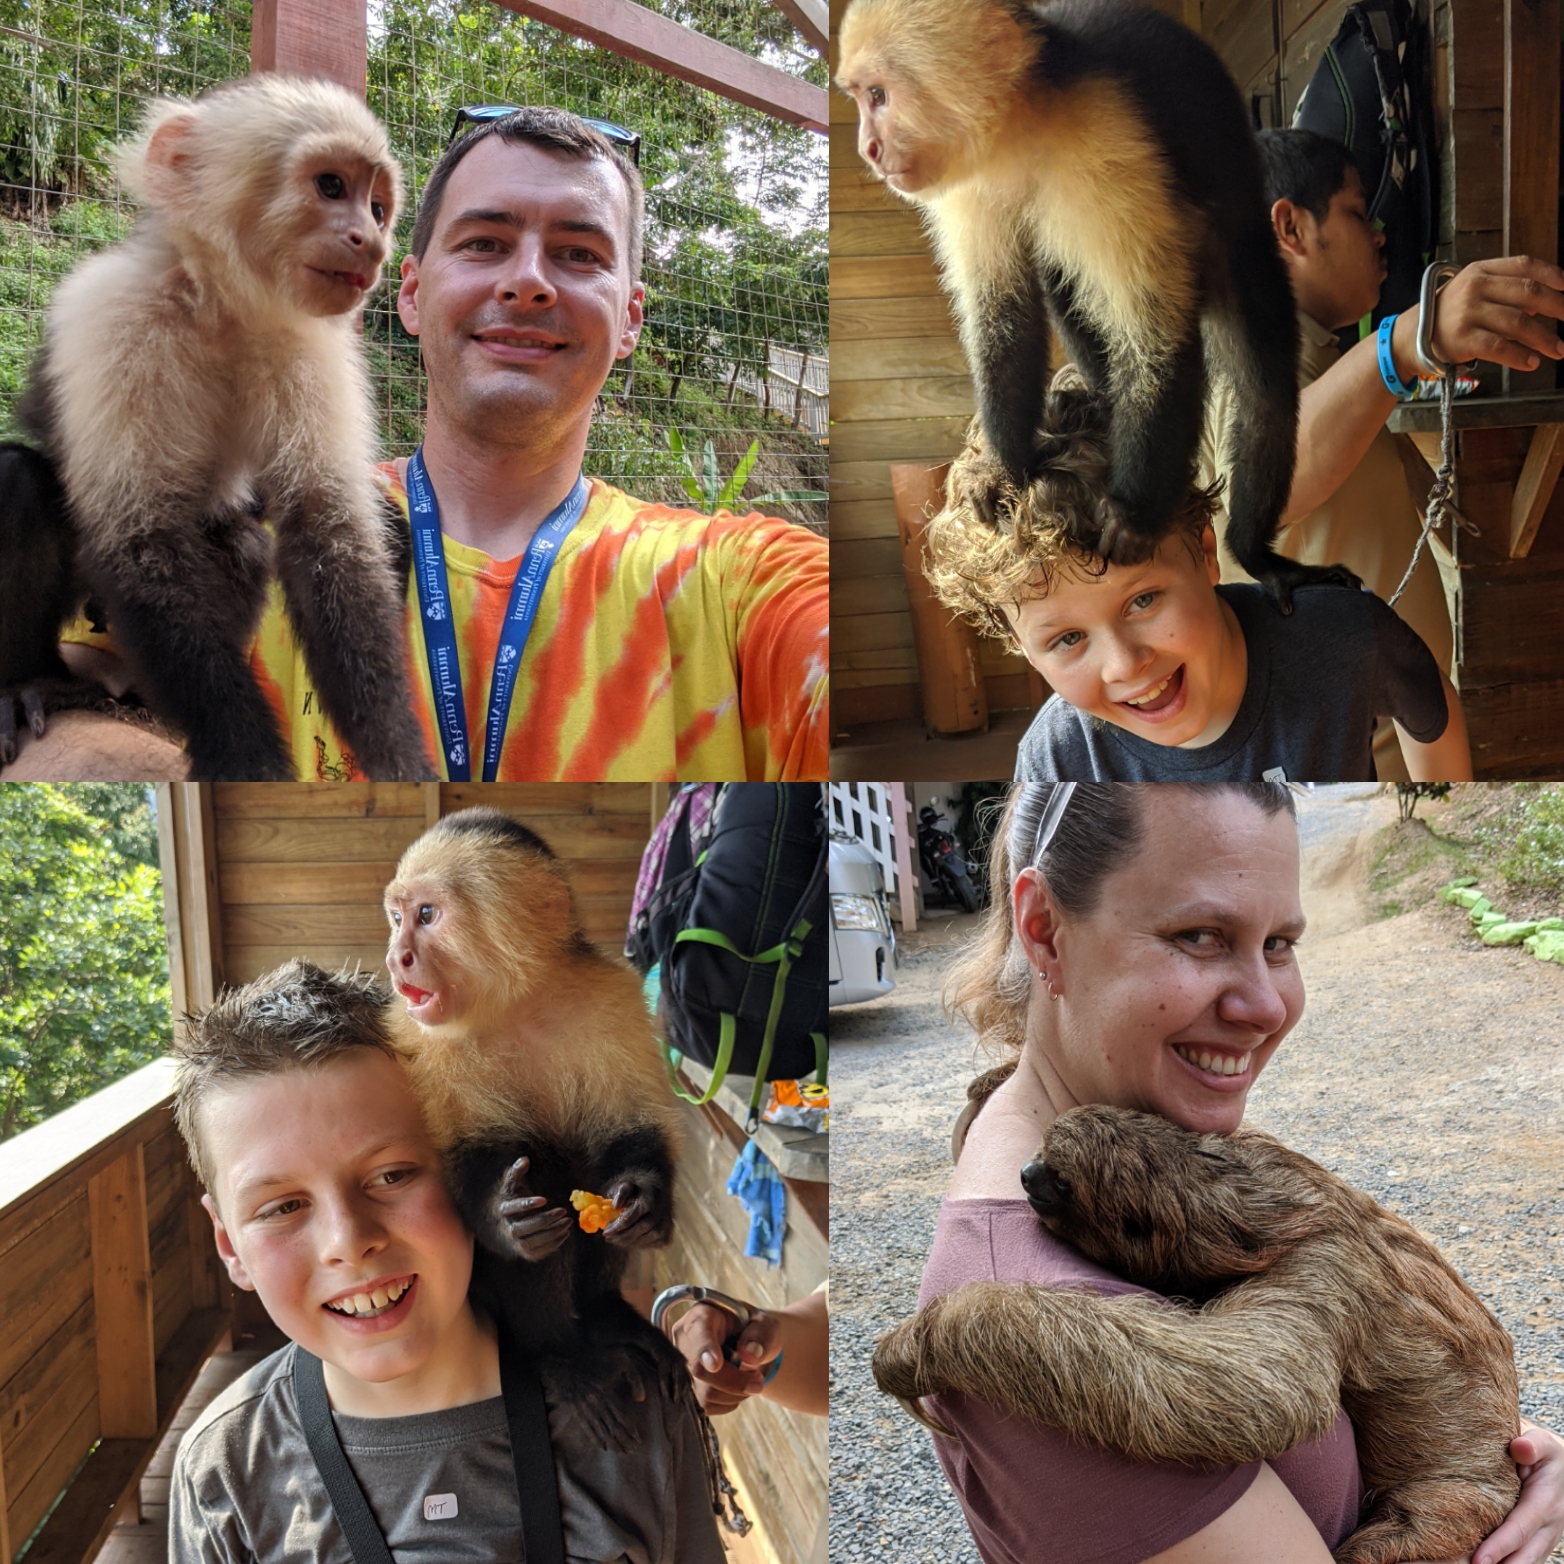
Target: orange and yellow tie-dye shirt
{"x":667,"y":646}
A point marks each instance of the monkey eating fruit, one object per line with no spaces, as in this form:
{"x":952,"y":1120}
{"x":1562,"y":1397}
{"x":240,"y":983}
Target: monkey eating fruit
{"x":205,"y":376}
{"x":1088,"y":164}
{"x":536,"y":1062}
{"x":1296,"y":1293}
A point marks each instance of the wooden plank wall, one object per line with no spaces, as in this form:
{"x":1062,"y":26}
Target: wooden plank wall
{"x":777,"y":1457}
{"x":899,"y":393}
{"x":111,"y":1296}
{"x":301,"y":866}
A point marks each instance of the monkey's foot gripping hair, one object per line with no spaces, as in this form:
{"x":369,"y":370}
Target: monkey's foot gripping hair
{"x":724,"y":1496}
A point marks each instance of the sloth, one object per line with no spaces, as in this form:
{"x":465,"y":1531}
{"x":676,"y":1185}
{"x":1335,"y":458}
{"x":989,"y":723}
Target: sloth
{"x":537,"y":1063}
{"x":1291,"y":1293}
{"x":197,"y":379}
{"x":1086,"y":169}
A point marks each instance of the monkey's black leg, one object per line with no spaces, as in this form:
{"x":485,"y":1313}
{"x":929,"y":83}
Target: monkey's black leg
{"x":183,"y":598}
{"x":1263,"y":439}
{"x":1082,"y":342}
{"x":37,"y":594}
{"x":1152,"y":444}
{"x":1008,"y":346}
{"x":340,"y":588}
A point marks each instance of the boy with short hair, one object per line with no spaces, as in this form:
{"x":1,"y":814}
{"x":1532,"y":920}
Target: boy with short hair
{"x":328,"y":1198}
{"x":1159,"y":674}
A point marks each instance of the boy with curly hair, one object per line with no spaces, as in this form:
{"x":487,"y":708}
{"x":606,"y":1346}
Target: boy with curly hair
{"x":1159,"y":673}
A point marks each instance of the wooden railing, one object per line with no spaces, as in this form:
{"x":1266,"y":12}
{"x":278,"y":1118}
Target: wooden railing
{"x":111,"y":1298}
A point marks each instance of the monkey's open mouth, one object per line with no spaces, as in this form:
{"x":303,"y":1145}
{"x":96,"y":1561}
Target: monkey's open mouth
{"x":1160,"y":696}
{"x":352,"y":279}
{"x":414,"y":996}
{"x":375,"y":1301}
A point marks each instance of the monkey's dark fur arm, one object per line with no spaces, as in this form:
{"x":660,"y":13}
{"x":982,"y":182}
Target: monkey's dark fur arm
{"x":38,"y":592}
{"x":1226,"y":1387}
{"x":567,"y":1308}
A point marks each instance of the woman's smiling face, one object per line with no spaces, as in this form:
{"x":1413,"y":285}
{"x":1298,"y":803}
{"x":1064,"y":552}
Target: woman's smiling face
{"x":1179,"y":985}
{"x":1150,"y":648}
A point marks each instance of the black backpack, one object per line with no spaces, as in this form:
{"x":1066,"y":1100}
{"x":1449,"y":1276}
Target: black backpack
{"x":1372,"y":91}
{"x":737,"y":919}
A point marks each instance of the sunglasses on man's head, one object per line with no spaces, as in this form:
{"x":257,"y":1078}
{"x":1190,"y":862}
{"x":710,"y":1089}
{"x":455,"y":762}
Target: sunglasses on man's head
{"x":627,"y":141}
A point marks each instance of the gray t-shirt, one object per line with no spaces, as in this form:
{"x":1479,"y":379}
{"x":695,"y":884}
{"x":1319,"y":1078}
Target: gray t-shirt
{"x":1319,"y":678}
{"x":441,"y":1484}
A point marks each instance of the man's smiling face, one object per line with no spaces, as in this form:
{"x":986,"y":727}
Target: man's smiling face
{"x":523,"y":300}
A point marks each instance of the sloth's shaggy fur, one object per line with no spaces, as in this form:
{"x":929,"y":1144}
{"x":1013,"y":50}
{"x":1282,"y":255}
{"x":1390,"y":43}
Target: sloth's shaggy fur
{"x":1292,"y":1292}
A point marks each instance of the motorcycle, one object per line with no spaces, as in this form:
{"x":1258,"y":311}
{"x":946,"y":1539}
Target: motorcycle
{"x":946,"y":874}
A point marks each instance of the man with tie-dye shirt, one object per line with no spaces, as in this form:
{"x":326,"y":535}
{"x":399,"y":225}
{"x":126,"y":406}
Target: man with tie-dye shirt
{"x":641,"y":641}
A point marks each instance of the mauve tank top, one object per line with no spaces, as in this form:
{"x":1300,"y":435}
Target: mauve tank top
{"x":1033,"y":1495}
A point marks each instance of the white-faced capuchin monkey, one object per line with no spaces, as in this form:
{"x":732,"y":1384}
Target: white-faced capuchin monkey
{"x":536,"y":1061}
{"x":1089,"y":162}
{"x":206,"y":374}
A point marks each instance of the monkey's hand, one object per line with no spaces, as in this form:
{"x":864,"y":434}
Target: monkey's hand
{"x":978,"y":483}
{"x":527,"y":1226}
{"x":34,"y":700}
{"x":646,"y":1201}
{"x":596,"y":1383}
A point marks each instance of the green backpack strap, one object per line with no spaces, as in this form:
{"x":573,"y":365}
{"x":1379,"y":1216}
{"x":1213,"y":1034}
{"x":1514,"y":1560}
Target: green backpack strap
{"x":783,"y":955}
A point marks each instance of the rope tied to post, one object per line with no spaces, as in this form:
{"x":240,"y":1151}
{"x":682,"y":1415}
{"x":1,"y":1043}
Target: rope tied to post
{"x":1443,"y":490}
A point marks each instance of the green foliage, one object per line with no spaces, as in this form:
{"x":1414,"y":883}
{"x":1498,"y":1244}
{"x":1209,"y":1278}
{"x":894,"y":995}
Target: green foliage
{"x":1536,"y":853}
{"x":84,"y":995}
{"x":1408,"y":794}
{"x":710,"y":493}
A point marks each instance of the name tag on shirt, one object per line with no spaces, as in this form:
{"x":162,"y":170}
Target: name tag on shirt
{"x":440,"y":1507}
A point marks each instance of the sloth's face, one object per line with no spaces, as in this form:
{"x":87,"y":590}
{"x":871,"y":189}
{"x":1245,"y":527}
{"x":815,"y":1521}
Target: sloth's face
{"x":1181,"y":1213}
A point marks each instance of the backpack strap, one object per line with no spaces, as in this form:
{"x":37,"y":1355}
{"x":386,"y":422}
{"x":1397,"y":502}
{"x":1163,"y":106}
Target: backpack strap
{"x":366,"y":1542}
{"x":532,"y":1454}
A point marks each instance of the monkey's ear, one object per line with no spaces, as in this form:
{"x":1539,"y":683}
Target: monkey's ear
{"x":168,"y":164}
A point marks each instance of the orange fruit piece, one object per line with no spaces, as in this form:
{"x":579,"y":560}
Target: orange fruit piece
{"x":596,"y":1211}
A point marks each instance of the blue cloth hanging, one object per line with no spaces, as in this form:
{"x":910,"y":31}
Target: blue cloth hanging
{"x":759,"y":1186}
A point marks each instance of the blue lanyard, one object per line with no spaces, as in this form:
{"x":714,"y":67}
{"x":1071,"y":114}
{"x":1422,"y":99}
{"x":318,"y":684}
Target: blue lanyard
{"x":434,"y":604}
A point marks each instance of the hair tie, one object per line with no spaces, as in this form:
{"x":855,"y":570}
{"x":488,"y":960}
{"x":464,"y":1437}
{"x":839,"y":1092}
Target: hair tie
{"x":1053,"y":813}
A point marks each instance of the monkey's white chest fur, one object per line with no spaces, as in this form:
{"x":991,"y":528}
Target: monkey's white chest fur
{"x":219,"y":399}
{"x":1085,"y":188}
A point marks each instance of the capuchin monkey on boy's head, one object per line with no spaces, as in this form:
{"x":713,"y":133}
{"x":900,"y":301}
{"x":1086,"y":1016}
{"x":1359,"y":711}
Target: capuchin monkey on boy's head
{"x":1089,"y":162}
{"x":536,"y":1061}
{"x":206,"y":374}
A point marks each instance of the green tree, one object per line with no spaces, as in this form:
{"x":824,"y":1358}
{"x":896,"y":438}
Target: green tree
{"x":84,"y":995}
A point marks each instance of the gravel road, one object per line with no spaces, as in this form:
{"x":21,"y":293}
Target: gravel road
{"x":1425,"y":1072}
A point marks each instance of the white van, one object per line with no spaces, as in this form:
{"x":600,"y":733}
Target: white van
{"x":863,"y":947}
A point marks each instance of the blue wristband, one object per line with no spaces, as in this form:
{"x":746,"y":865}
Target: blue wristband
{"x":771,"y":1373}
{"x":1387,"y":362}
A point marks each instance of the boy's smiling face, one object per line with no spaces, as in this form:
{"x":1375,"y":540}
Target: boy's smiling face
{"x":328,"y":1190}
{"x":1150,"y":648}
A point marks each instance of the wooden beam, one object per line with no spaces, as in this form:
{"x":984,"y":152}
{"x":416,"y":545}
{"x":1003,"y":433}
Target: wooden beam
{"x":810,"y":18}
{"x":122,"y":1299}
{"x":6,"y":1550}
{"x":633,"y":31}
{"x":1531,"y":147}
{"x":431,"y":803}
{"x":200,"y":920}
{"x":326,"y":38}
{"x":1534,"y":487}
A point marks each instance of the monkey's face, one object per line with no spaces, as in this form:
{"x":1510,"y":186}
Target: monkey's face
{"x":890,"y":139}
{"x":1167,"y":1209}
{"x":424,"y":958}
{"x":335,"y":213}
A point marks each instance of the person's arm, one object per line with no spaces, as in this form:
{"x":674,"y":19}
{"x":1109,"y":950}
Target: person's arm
{"x":1449,"y":757}
{"x":800,"y":1334}
{"x":1495,"y":310}
{"x":779,"y":584}
{"x":1267,"y":1523}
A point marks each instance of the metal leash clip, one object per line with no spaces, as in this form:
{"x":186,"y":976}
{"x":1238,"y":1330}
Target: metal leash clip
{"x":690,"y":1292}
{"x":1440,"y":272}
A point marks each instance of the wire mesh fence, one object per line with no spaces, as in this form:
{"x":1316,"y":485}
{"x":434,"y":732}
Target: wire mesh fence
{"x":734,"y":348}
